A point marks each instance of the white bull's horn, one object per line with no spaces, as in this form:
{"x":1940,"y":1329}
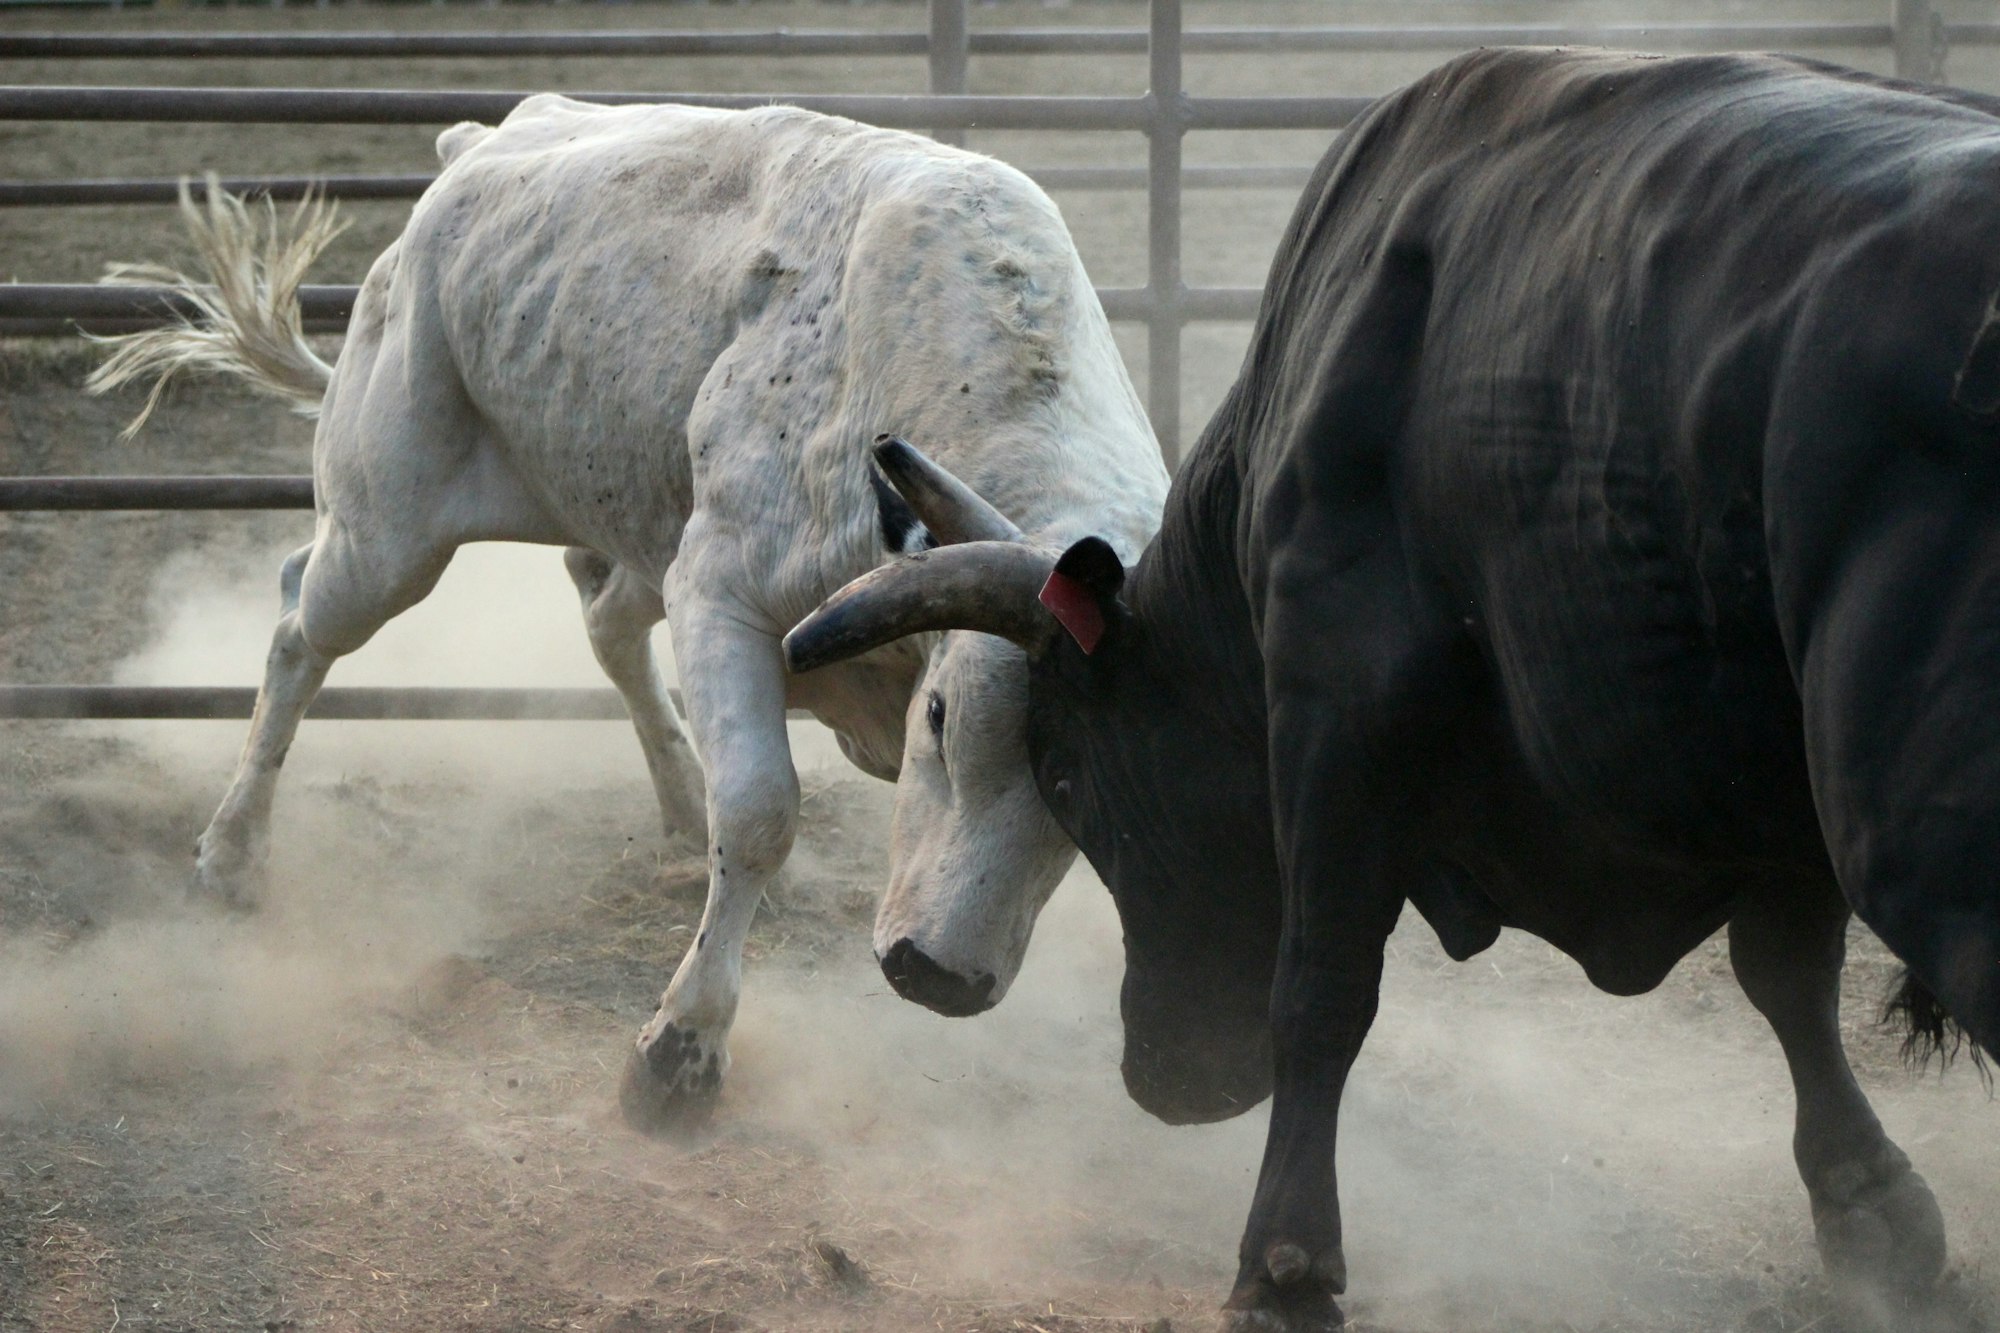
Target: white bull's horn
{"x":986,"y":586}
{"x":952,"y":510}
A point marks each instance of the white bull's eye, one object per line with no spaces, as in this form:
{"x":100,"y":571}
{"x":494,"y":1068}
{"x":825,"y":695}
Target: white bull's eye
{"x":935,"y":715}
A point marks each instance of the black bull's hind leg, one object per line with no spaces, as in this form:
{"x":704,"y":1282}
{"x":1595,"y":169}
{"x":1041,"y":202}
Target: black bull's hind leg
{"x":1879,"y":1230}
{"x":1884,"y":521}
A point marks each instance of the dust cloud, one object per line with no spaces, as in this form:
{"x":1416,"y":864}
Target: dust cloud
{"x":502,"y":615}
{"x":1476,"y":1157}
{"x":163,"y":987}
{"x":1517,"y":1153}
{"x":170,"y":998}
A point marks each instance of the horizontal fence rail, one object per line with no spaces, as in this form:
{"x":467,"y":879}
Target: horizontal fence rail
{"x":352,"y":703}
{"x":87,"y":300}
{"x":401,"y":106}
{"x":37,"y":310}
{"x":166,"y":190}
{"x":409,"y":106}
{"x":1191,"y":304}
{"x":1042,"y":41}
{"x":433,"y":45}
{"x":28,"y":494}
{"x":56,"y":308}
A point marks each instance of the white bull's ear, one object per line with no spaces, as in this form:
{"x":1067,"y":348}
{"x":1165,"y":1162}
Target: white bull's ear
{"x":987,"y":586}
{"x":903,"y":533}
{"x":951,"y":510}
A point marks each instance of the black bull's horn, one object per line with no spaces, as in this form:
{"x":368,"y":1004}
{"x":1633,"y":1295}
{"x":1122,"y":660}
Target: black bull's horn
{"x":988,"y":586}
{"x":952,"y":510}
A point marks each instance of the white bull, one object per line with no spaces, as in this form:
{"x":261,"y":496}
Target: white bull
{"x":665,"y":338}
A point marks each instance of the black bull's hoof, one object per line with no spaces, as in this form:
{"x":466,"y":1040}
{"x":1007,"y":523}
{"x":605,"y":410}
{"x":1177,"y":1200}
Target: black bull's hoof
{"x":1295,"y":1312}
{"x":1880,"y":1233}
{"x":670,"y":1087}
{"x":1293,"y":1294}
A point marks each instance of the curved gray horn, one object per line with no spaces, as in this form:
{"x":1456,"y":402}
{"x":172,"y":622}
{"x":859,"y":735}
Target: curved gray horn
{"x":952,"y":510}
{"x":991,"y":587}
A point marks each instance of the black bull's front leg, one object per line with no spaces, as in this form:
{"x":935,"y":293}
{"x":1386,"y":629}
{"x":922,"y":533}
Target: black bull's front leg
{"x":1291,"y":1266}
{"x":1356,"y":710}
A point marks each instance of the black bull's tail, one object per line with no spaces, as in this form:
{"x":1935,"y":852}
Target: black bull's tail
{"x":1929,"y":1030}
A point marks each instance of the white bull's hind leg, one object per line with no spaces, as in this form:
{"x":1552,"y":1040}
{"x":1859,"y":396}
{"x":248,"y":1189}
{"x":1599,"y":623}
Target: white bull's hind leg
{"x":733,"y":681}
{"x":333,"y":602}
{"x":229,"y":856}
{"x":620,"y":610}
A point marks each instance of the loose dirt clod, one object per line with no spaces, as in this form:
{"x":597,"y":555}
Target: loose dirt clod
{"x":839,"y":1266}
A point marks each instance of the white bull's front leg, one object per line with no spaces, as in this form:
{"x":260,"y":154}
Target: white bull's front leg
{"x":733,"y":684}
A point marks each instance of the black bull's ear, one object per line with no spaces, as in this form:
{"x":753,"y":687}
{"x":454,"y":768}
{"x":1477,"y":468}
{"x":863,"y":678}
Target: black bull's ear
{"x":1081,"y":589}
{"x":1006,"y":588}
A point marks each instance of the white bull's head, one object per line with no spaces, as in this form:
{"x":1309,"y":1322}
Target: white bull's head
{"x":1177,"y":825}
{"x":974,"y":852}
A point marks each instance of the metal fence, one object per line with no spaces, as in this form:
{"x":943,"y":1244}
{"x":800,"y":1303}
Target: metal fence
{"x":1165,"y":113}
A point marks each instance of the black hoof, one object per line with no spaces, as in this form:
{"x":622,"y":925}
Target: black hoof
{"x":669,"y":1088}
{"x":1879,"y":1229}
{"x":1326,"y":1318}
{"x":1292,"y":1294}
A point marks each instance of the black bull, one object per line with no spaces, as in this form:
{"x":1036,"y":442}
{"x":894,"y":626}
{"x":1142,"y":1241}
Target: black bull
{"x":1602,"y":538}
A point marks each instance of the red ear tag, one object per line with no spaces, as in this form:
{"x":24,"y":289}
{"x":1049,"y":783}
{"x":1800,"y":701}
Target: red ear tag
{"x":1072,"y":604}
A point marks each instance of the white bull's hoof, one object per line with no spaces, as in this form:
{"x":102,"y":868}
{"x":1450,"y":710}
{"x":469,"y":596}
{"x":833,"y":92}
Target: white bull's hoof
{"x":671,"y":1084}
{"x":1879,"y":1230}
{"x":226,"y":874}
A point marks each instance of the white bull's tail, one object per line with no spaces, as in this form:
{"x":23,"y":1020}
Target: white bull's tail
{"x":247,"y":302}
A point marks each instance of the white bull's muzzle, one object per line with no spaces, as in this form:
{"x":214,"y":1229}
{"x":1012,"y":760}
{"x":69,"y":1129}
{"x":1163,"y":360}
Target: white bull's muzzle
{"x":917,"y":977}
{"x":956,"y":954}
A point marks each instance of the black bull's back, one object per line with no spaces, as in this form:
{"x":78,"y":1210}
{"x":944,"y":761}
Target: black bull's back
{"x":1663,"y":377}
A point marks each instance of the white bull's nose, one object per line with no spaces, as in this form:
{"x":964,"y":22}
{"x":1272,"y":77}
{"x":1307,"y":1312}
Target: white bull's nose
{"x":916,"y":977}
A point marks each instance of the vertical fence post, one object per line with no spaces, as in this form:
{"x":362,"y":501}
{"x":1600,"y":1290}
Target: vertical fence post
{"x":948,"y":58}
{"x":1163,"y":228}
{"x":1919,"y":40}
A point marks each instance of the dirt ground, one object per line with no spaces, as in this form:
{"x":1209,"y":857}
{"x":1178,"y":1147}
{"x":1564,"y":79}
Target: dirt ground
{"x":387,"y":1101}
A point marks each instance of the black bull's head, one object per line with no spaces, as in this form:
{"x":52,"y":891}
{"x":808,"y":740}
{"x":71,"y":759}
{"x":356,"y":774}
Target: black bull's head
{"x":1200,"y":939}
